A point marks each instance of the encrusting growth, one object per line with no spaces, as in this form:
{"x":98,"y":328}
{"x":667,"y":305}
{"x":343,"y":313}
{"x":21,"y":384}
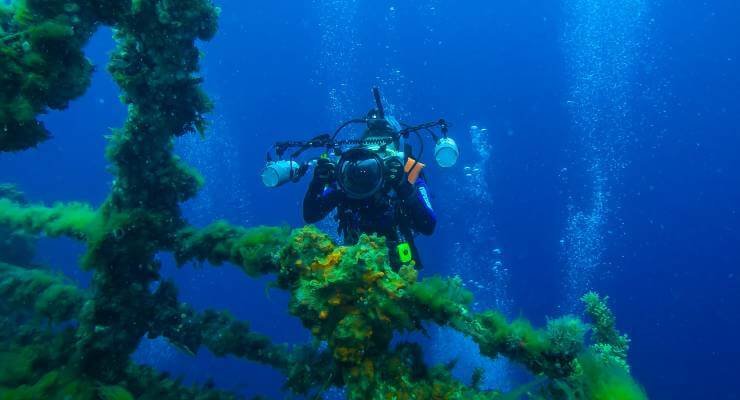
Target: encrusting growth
{"x":47,"y":295}
{"x":42,"y":63}
{"x":16,"y":247}
{"x":349,"y":298}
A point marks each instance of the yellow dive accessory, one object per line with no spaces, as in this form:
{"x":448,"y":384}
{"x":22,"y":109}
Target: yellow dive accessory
{"x":413,"y":169}
{"x":404,"y":253}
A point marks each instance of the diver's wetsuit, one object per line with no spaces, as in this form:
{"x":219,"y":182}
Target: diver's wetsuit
{"x":395,"y":218}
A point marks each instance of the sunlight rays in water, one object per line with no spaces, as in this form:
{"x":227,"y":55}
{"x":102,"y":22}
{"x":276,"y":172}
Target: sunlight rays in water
{"x":338,"y":62}
{"x":337,"y":71}
{"x":224,"y":194}
{"x":479,"y":261}
{"x":390,"y":77}
{"x":480,"y":257}
{"x":602,"y":43}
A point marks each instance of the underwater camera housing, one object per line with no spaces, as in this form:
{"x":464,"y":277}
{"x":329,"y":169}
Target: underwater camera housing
{"x":360,"y":163}
{"x":361,"y":171}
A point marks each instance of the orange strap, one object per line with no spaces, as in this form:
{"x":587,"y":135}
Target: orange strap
{"x":413,"y":169}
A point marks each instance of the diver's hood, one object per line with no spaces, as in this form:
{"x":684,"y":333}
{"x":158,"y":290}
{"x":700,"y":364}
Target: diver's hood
{"x":381,"y":126}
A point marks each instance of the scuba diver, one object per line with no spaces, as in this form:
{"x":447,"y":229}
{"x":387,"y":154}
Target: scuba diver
{"x":376,"y":185}
{"x":396,"y":211}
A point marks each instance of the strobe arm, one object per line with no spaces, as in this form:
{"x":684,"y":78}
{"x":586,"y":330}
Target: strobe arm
{"x":378,"y":102}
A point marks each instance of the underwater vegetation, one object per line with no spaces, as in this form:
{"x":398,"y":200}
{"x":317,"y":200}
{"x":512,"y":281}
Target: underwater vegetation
{"x":61,"y":341}
{"x":16,"y":247}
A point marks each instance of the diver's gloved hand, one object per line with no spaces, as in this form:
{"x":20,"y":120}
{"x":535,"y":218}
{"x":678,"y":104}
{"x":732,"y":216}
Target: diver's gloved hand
{"x":395,"y":177}
{"x":405,"y":189}
{"x":323,"y":172}
{"x":393,"y":172}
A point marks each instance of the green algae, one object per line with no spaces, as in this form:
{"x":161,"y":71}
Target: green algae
{"x":114,"y":392}
{"x":253,"y":249}
{"x":16,"y":246}
{"x":352,"y":298}
{"x":32,"y":371}
{"x":609,"y":343}
{"x":606,"y":381}
{"x":48,"y":295}
{"x":42,"y":66}
{"x":75,"y":220}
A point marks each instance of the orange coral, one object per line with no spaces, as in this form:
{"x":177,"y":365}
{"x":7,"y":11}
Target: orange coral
{"x":383,"y":317}
{"x":393,"y":286}
{"x":371,"y":277}
{"x":346,"y":354}
{"x":329,"y":262}
{"x":326,"y":245}
{"x":335,"y":300}
{"x":368,"y":368}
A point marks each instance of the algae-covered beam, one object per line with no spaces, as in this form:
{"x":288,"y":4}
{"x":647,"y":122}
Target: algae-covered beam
{"x":220,"y":332}
{"x":352,"y":298}
{"x":46,"y":294}
{"x":42,"y":65}
{"x":155,"y":64}
{"x":37,"y":363}
{"x":16,"y":247}
{"x":74,"y":220}
{"x":609,"y":343}
{"x":342,"y":292}
{"x":254,"y":250}
{"x":178,"y":322}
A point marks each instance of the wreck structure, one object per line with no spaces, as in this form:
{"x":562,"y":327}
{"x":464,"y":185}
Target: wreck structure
{"x":60,"y":341}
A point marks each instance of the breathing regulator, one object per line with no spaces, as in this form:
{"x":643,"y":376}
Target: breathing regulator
{"x":361,"y":164}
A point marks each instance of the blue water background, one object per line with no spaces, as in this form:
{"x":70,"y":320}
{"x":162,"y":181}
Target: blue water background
{"x":665,"y":244}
